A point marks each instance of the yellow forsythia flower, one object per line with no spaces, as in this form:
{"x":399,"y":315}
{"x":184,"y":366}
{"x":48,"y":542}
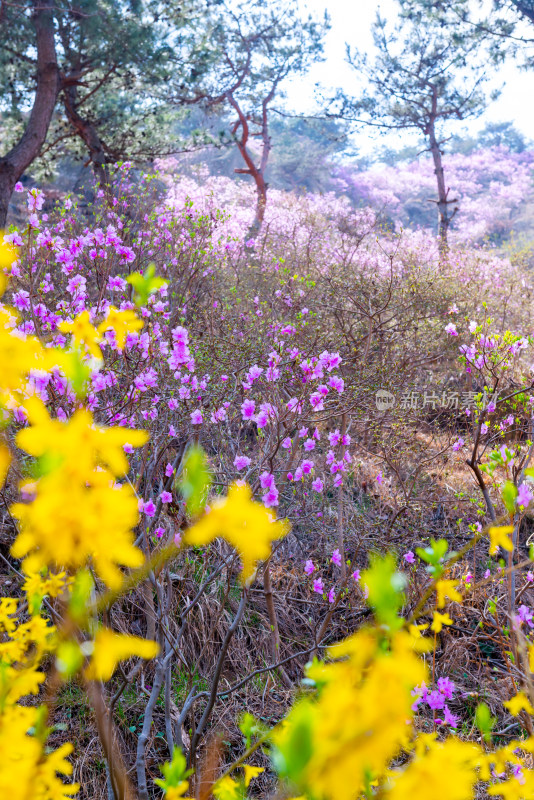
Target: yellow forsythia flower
{"x":331,"y":746}
{"x":18,"y":355}
{"x":439,"y":620}
{"x":440,"y":770}
{"x":5,"y":460}
{"x":515,"y":788}
{"x":84,"y":333}
{"x":226,"y":789}
{"x":519,"y":702}
{"x":8,"y":254}
{"x":26,"y":771}
{"x":447,"y":588}
{"x":177,"y":792}
{"x":499,"y":538}
{"x":122,"y":322}
{"x":51,"y":586}
{"x":251,"y":773}
{"x":109,"y":648}
{"x":246,"y":525}
{"x":78,"y":512}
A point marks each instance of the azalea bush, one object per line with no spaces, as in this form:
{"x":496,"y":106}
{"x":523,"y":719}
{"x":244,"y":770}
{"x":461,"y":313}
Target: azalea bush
{"x":224,"y":460}
{"x":493,"y":188}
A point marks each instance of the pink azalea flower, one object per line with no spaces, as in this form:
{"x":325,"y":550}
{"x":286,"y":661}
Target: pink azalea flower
{"x":449,"y":719}
{"x":524,"y":614}
{"x":196,"y":417}
{"x":248,"y":408}
{"x":435,"y":700}
{"x":149,"y":508}
{"x":318,"y":586}
{"x":266,"y":480}
{"x":241,"y":462}
{"x":524,"y":495}
{"x":336,"y":557}
{"x":270,"y":499}
{"x":309,"y":567}
{"x":165,"y":497}
{"x":446,"y":687}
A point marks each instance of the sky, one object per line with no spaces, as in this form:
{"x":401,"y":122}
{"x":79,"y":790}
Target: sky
{"x":351,"y":22}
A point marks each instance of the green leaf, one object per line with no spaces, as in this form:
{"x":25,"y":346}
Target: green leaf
{"x":484,"y":721}
{"x":385,"y":585}
{"x":144,"y":285}
{"x":249,"y":727}
{"x":69,"y":658}
{"x":509,"y":494}
{"x":293,"y":756}
{"x":79,"y":371}
{"x":434,"y":555}
{"x":80,"y":594}
{"x":195,"y":480}
{"x":175,"y":771}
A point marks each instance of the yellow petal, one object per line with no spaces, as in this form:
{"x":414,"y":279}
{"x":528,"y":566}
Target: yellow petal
{"x":499,"y":538}
{"x":447,"y":588}
{"x":246,"y":525}
{"x":251,"y":772}
{"x":439,"y":620}
{"x":5,"y":460}
{"x":109,"y":648}
{"x":519,"y":702}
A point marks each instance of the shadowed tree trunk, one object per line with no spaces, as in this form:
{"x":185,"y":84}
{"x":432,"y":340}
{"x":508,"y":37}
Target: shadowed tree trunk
{"x":14,"y":163}
{"x":86,"y":131}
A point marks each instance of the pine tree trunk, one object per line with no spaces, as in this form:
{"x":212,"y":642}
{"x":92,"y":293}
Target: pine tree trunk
{"x":261,"y":204}
{"x":87,"y":132}
{"x":444,"y":218}
{"x":19,"y":158}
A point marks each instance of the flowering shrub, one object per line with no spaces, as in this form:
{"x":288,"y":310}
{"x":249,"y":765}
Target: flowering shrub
{"x":492,"y":186}
{"x":195,"y":455}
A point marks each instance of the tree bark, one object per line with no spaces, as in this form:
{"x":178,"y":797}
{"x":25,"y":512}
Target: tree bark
{"x":19,"y":158}
{"x":257,"y":172}
{"x":443,"y":211}
{"x":87,"y":132}
{"x":443,"y":202}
